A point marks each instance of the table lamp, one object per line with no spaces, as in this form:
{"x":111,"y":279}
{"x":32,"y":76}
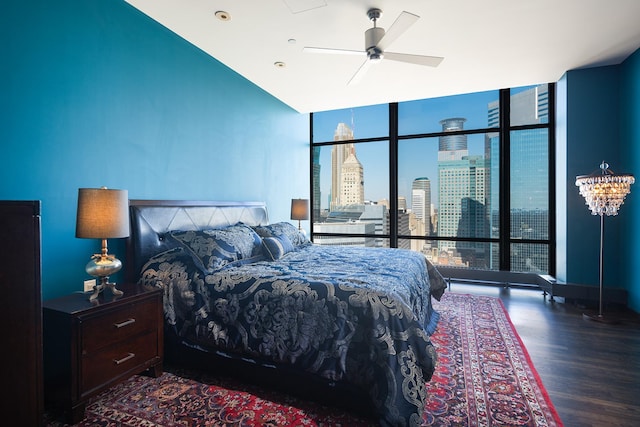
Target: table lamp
{"x":299,"y":210}
{"x":103,"y":214}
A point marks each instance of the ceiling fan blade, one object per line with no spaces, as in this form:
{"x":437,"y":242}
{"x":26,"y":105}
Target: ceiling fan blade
{"x":429,"y":61}
{"x":401,"y":24}
{"x":333,"y":51}
{"x":361,"y":72}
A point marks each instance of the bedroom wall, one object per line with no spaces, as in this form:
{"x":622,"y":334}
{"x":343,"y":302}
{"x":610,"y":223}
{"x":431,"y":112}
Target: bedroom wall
{"x":592,"y":106}
{"x":630,"y":137}
{"x":94,"y":93}
{"x":602,"y":116}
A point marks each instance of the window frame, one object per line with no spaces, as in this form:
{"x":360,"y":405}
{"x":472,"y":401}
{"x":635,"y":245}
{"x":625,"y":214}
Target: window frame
{"x":504,"y":131}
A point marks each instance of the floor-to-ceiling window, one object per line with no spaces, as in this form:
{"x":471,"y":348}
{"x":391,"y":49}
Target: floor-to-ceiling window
{"x":467,"y":180}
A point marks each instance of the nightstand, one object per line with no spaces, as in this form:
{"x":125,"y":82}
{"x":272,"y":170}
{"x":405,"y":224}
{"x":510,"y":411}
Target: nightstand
{"x":91,"y":346}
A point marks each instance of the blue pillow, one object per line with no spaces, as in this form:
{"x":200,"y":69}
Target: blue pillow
{"x":215,"y":248}
{"x":296,"y":238}
{"x":162,"y":266}
{"x":276,"y":247}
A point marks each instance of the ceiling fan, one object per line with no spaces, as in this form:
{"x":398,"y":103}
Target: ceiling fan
{"x":375,"y":42}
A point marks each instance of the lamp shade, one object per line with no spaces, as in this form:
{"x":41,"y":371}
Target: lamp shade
{"x":299,"y":209}
{"x":604,"y":192}
{"x":102,"y":213}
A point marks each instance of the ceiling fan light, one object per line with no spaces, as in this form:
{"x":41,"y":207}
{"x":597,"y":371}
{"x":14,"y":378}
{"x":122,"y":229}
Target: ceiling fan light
{"x":374,"y":54}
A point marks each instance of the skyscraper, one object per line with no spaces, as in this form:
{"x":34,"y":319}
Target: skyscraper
{"x":461,"y":194}
{"x":402,"y":204}
{"x":452,"y":147}
{"x":339,"y":153}
{"x":421,"y":201}
{"x":316,"y":193}
{"x":529,"y":175}
{"x":352,"y":181}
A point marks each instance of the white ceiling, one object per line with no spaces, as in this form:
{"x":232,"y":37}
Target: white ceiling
{"x":487,"y":44}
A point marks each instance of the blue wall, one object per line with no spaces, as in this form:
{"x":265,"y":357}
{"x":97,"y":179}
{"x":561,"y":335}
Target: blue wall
{"x":95,"y":93}
{"x":630,"y":135}
{"x":592,"y":136}
{"x":602,"y":123}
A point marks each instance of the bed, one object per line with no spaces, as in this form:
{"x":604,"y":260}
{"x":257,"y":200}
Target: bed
{"x":354,"y":322}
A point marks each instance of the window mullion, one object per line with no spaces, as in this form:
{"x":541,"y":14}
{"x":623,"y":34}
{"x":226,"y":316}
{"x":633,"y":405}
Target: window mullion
{"x":505,"y":180}
{"x":393,"y":174}
{"x":552,"y":182}
{"x":312,"y":199}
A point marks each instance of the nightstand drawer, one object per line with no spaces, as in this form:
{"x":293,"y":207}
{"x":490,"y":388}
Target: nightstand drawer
{"x":118,"y":325}
{"x":111,"y":362}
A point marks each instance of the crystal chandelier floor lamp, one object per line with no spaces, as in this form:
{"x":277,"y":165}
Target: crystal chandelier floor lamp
{"x":604,"y":192}
{"x":103,"y":214}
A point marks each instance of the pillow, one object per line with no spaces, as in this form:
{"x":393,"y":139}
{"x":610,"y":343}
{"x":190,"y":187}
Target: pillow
{"x":283,"y":228}
{"x":276,"y":247}
{"x":162,"y":266}
{"x":215,"y":248}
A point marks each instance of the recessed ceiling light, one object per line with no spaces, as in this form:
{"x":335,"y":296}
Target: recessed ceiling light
{"x":223,"y":16}
{"x":292,"y":41}
{"x":280,"y":64}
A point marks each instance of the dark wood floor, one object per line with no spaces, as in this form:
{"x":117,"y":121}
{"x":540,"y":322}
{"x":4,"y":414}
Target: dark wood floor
{"x":590,"y":370}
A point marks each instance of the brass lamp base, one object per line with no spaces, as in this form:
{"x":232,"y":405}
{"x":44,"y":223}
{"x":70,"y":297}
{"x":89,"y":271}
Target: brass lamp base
{"x":104,"y":283}
{"x":103,"y":265}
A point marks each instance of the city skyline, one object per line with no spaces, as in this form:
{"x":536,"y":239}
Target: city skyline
{"x":458,"y":171}
{"x":415,"y":118}
{"x":416,"y":157}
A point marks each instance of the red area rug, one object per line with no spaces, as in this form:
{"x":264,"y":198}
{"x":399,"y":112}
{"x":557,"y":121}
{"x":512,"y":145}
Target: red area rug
{"x":484,"y":377}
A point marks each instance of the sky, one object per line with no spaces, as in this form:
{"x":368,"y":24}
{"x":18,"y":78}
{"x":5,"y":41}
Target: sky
{"x":417,"y":157}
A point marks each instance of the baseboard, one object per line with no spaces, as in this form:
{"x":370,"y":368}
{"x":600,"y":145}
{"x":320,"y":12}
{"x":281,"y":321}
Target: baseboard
{"x":572,"y":292}
{"x":588,"y":294}
{"x":502,"y":278}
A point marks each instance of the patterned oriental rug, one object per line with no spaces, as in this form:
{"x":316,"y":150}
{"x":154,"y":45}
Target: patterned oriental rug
{"x":484,"y":377}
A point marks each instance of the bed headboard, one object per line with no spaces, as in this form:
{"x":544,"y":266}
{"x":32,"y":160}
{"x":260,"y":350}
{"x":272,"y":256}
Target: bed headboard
{"x":152,"y":219}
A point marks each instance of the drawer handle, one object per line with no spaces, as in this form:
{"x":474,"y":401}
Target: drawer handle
{"x":124,"y":359}
{"x":125,"y":323}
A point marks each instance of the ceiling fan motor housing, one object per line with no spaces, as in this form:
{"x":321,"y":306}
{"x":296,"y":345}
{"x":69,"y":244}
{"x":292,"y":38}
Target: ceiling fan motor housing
{"x":371,"y":39}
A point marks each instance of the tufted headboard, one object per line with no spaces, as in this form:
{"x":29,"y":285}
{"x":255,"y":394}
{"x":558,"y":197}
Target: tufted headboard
{"x":152,"y":219}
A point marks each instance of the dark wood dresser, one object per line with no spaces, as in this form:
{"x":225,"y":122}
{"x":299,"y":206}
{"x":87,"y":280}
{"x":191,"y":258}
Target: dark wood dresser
{"x":21,"y":399}
{"x":90,"y":347}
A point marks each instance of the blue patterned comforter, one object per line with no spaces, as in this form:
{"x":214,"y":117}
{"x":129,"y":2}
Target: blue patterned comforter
{"x":359,"y":315}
